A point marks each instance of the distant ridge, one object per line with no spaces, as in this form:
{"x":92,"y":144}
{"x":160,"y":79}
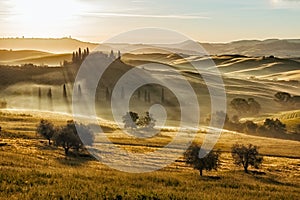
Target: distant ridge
{"x":53,"y":45}
{"x":285,"y":48}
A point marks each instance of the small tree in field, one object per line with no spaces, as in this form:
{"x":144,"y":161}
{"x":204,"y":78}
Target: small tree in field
{"x":46,"y":129}
{"x":209,"y":162}
{"x":130,"y":119}
{"x":66,"y":139}
{"x":147,"y":121}
{"x":246,"y":156}
{"x":67,"y":136}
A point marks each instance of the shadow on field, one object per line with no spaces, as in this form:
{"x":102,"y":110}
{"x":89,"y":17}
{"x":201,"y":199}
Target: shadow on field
{"x":43,"y":145}
{"x":105,"y":129}
{"x":75,"y":159}
{"x":270,"y":180}
{"x":15,"y":135}
{"x":209,"y":178}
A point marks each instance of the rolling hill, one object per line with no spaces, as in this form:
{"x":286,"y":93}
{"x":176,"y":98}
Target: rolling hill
{"x":59,"y":45}
{"x":285,"y":48}
{"x":20,"y":57}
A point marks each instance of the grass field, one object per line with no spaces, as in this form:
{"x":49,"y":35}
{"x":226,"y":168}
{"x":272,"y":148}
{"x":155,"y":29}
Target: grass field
{"x":30,"y":169}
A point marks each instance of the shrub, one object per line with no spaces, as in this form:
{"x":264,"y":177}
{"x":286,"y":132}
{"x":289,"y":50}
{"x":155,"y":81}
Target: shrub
{"x":147,"y":122}
{"x":250,"y":127}
{"x":130,"y":119}
{"x":246,"y":156}
{"x":68,"y":137}
{"x":46,"y":129}
{"x":209,"y":162}
{"x":244,"y":107}
{"x":274,"y":126}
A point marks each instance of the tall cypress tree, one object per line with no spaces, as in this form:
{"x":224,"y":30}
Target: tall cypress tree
{"x":40,"y":92}
{"x":49,"y":94}
{"x":73,"y":57}
{"x":79,"y":55}
{"x":76,"y":57}
{"x":139,"y":94}
{"x":79,"y":90}
{"x":162,"y":95}
{"x":107,"y":94}
{"x":149,"y":97}
{"x":145,"y":96}
{"x":64,"y":91}
{"x":84,"y":54}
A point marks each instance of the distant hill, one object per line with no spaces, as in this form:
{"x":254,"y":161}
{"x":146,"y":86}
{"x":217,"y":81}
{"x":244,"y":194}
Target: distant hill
{"x":267,"y":68}
{"x":34,"y":57}
{"x":6,"y":55}
{"x":279,"y":48}
{"x":289,"y":48}
{"x":51,"y":60}
{"x":62,"y":45}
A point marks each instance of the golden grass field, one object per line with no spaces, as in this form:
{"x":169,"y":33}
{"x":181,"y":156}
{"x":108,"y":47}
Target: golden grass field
{"x":30,"y":169}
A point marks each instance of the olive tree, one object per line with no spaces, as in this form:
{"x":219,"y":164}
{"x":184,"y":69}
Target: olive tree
{"x":147,"y":121}
{"x":46,"y":129}
{"x":244,"y":107}
{"x":130,"y":119}
{"x":246,"y":156}
{"x":68,"y":136}
{"x":209,"y":162}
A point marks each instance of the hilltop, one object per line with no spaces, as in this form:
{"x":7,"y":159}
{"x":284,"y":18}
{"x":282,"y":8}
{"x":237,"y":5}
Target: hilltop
{"x":285,"y":48}
{"x":53,"y":45}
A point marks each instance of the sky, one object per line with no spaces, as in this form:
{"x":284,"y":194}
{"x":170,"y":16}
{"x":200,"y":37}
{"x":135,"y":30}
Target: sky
{"x":202,"y":20}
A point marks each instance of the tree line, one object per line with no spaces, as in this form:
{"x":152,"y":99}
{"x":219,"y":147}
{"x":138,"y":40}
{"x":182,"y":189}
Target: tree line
{"x":79,"y":56}
{"x":133,"y":120}
{"x":243,"y":155}
{"x":287,"y":99}
{"x":66,"y":136}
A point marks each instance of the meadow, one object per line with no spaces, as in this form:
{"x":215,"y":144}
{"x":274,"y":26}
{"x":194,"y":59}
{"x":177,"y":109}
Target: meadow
{"x":31,"y":169}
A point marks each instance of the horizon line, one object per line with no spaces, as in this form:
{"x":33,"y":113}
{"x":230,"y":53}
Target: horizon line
{"x":93,"y":42}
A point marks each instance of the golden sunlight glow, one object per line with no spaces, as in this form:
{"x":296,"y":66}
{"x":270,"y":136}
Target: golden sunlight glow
{"x":275,"y":3}
{"x":36,"y":13}
{"x":284,"y":3}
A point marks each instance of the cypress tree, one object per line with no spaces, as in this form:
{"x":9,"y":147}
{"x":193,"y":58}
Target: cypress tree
{"x":139,"y":94}
{"x":162,"y":95}
{"x":107,"y":94}
{"x":40,"y":93}
{"x":79,"y":55}
{"x":64,"y":91}
{"x":49,"y":94}
{"x":149,"y":97}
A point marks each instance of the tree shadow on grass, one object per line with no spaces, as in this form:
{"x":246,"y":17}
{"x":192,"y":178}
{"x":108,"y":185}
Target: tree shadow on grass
{"x":15,"y":135}
{"x":208,"y":178}
{"x":269,"y":179}
{"x":105,"y":129}
{"x":75,"y":159}
{"x":43,"y":145}
{"x":2,"y":144}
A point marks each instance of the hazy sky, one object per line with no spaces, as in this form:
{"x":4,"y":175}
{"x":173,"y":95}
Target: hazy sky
{"x":203,"y":20}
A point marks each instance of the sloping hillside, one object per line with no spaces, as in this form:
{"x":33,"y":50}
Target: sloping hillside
{"x":279,"y":48}
{"x":62,"y":45}
{"x":7,"y":55}
{"x":34,"y":57}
